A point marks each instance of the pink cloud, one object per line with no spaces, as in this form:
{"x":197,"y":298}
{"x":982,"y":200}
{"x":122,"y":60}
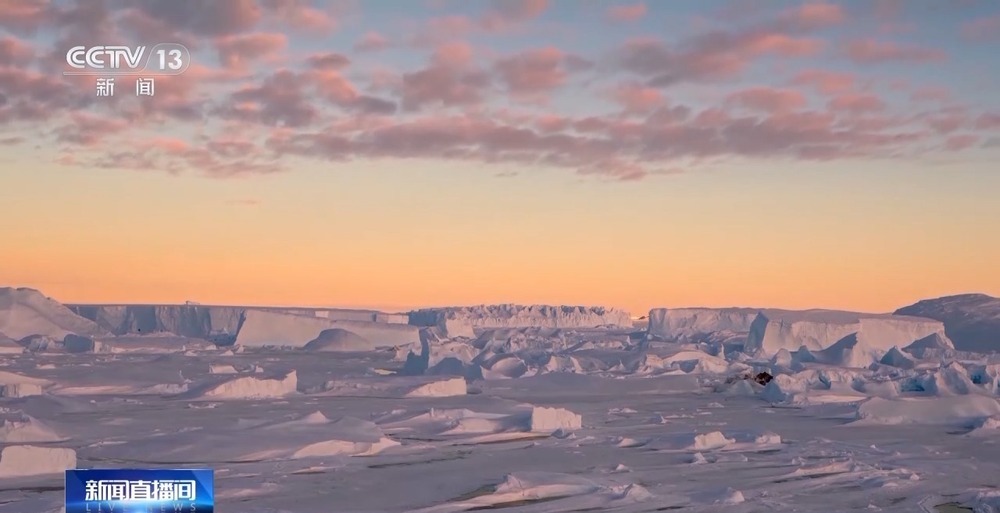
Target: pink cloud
{"x":328,"y":107}
{"x":947,"y":120}
{"x":717,"y":55}
{"x":280,"y":99}
{"x":535,"y":71}
{"x":766,"y":99}
{"x":165,"y":144}
{"x":868,"y":51}
{"x":24,"y":15}
{"x":961,"y":142}
{"x":781,"y":44}
{"x":142,"y":26}
{"x":328,"y":61}
{"x":300,"y":15}
{"x":241,"y":50}
{"x":176,"y":156}
{"x":334,"y":86}
{"x":857,"y":103}
{"x":216,"y":18}
{"x":504,"y":13}
{"x":32,"y":96}
{"x":637,"y":98}
{"x":453,"y":54}
{"x":86,"y":129}
{"x":812,"y":15}
{"x":826,"y":82}
{"x":626,"y":13}
{"x":616,"y":148}
{"x":14,"y":51}
{"x":450,"y":79}
{"x":983,"y":29}
{"x":501,"y":16}
{"x":988,"y":121}
{"x":549,"y":123}
{"x":372,"y":42}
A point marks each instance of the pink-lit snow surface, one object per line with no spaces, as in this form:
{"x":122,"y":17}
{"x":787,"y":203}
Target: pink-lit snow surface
{"x":534,"y":419}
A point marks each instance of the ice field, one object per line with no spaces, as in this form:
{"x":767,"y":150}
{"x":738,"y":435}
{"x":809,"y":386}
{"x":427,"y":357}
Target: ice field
{"x":520,"y":409}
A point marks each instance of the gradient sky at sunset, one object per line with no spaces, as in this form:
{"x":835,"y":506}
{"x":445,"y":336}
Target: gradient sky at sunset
{"x":395,"y":154}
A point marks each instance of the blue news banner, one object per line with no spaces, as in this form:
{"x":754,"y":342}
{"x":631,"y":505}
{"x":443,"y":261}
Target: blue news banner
{"x":129,"y":490}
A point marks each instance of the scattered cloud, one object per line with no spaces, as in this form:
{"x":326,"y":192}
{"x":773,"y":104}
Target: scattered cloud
{"x":752,"y":81}
{"x":626,"y":12}
{"x":637,"y":98}
{"x":826,"y":82}
{"x":242,"y":50}
{"x":872,"y":51}
{"x":372,"y":42}
{"x":769,"y":100}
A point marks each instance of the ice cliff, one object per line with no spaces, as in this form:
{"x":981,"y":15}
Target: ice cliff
{"x":822,"y":333}
{"x":193,"y":321}
{"x":692,"y":323}
{"x":462,"y":321}
{"x":971,"y":321}
{"x":221,"y":323}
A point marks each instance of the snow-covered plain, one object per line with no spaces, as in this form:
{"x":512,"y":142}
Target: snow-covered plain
{"x":570,"y":414}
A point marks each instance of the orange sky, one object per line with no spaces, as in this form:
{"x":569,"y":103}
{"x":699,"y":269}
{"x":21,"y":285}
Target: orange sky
{"x":867,"y":239}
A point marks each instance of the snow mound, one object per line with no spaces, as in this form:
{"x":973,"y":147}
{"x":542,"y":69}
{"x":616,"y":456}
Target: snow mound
{"x":566,"y":492}
{"x":478,"y":427}
{"x":30,"y":461}
{"x":16,"y":385}
{"x":442,"y":388}
{"x":462,"y":321}
{"x":962,"y":411}
{"x":267,"y":328}
{"x":393,"y":386}
{"x":25,"y":312}
{"x":694,"y":323}
{"x":339,"y":340}
{"x":972,"y":321}
{"x":897,"y":358}
{"x":730,"y":497}
{"x":812,"y":387}
{"x":311,"y":435}
{"x":852,"y":338}
{"x":547,"y":420}
{"x":70,"y":344}
{"x":989,"y":426}
{"x":439,"y":357}
{"x":222,"y":369}
{"x":952,"y":379}
{"x":21,"y":428}
{"x":696,"y":362}
{"x":245,"y":387}
{"x":710,"y":441}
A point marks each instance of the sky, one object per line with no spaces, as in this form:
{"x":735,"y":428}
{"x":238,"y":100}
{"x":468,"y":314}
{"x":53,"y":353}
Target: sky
{"x":401,"y":154}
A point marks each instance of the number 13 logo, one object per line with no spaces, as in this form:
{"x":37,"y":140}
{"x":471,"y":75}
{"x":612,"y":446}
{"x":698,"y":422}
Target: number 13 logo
{"x":175,"y":59}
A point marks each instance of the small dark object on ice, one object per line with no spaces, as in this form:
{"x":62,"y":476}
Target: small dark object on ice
{"x":763,"y":378}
